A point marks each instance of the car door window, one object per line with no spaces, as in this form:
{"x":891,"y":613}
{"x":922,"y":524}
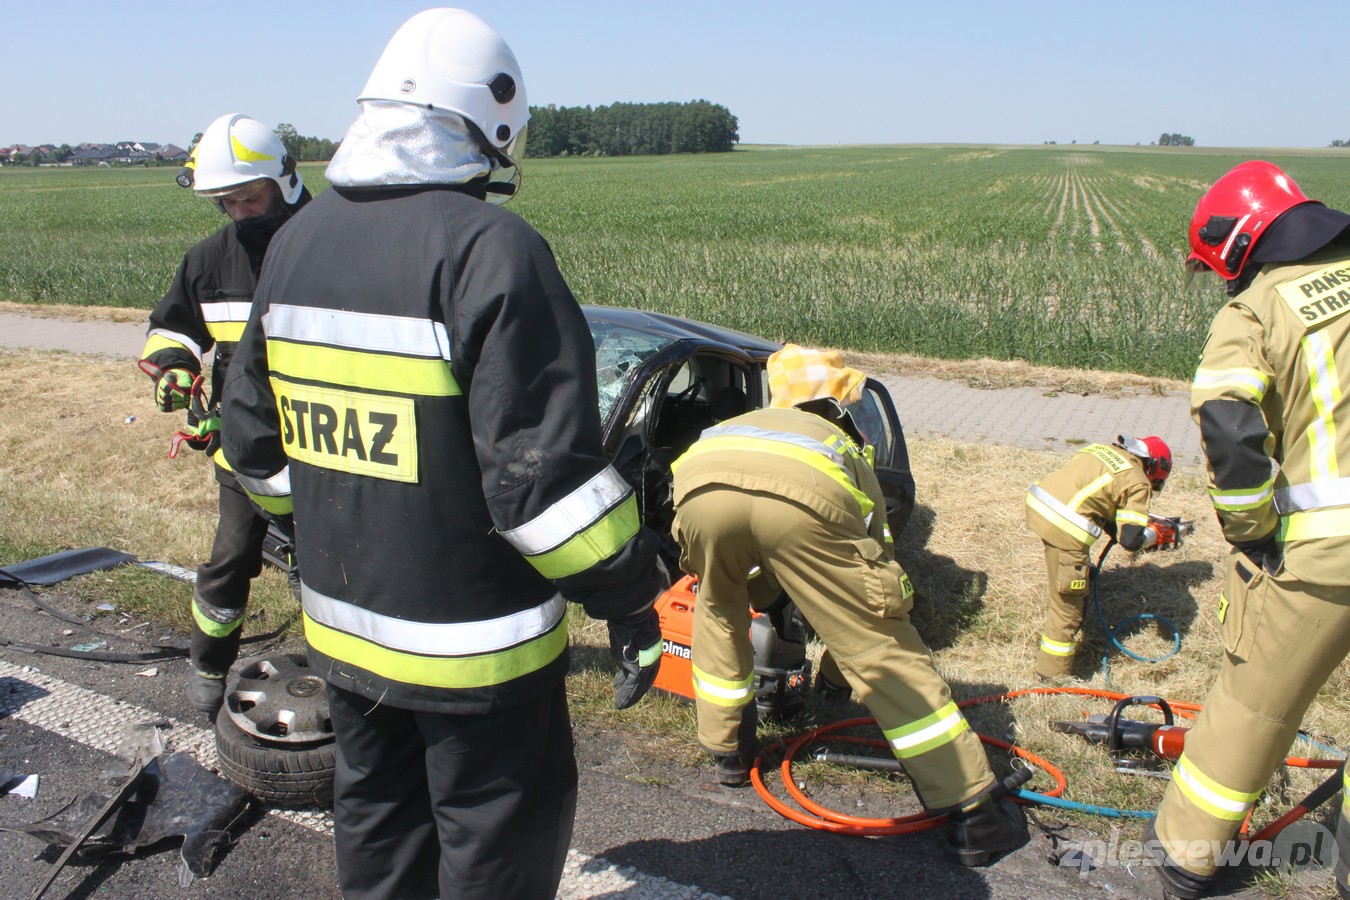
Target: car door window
{"x":870,"y":416}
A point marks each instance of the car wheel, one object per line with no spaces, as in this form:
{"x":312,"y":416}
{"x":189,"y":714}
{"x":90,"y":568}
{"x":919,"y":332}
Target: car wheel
{"x":273,"y":735}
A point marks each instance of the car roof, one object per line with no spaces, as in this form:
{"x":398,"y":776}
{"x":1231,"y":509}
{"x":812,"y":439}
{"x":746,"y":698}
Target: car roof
{"x":678,"y":328}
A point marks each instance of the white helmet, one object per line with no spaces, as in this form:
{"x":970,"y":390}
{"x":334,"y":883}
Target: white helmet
{"x":451,"y":60}
{"x":235,"y":150}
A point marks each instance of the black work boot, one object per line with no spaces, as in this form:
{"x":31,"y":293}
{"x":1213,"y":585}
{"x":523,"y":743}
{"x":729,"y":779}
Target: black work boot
{"x":206,"y":692}
{"x":733,"y":769}
{"x":830,"y":693}
{"x":994,"y":825}
{"x":975,"y":836}
{"x":1176,"y":881}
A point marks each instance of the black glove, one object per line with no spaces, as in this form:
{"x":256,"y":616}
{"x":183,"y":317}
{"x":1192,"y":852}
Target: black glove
{"x":1266,"y":552}
{"x":635,"y":644}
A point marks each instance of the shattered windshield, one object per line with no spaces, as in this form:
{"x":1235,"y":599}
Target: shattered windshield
{"x":619,"y":353}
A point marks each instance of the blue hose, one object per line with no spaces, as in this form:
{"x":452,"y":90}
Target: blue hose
{"x":1108,"y":811}
{"x":1110,"y":632}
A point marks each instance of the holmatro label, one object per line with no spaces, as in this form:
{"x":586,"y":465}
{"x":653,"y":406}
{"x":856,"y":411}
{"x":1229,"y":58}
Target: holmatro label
{"x":349,"y":432}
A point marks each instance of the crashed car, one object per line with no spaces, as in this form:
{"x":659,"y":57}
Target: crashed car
{"x":662,"y":380}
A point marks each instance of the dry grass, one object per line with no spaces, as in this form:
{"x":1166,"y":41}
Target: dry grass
{"x":74,"y":313}
{"x":82,"y":463}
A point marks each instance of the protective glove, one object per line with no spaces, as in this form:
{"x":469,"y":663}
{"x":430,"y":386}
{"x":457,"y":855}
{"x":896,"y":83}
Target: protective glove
{"x":635,"y":644}
{"x":173,"y":389}
{"x":202,"y":432}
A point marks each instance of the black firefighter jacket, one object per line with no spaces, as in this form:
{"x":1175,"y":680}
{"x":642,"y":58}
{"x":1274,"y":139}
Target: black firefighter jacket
{"x":419,"y":381}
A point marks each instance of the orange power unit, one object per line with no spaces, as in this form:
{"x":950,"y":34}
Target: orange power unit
{"x":676,"y":609}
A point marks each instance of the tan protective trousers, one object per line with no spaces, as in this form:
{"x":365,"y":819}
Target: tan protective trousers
{"x":1283,"y":638}
{"x":850,"y":593}
{"x":1066,"y":571}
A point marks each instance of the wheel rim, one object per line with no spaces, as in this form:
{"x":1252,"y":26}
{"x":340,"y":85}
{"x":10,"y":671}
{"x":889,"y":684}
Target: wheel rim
{"x":279,"y":699}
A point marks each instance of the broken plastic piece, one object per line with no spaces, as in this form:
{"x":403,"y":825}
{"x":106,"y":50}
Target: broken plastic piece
{"x":175,"y":797}
{"x":59,"y":566}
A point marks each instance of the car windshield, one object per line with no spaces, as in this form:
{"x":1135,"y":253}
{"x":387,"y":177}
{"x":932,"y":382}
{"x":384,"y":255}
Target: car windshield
{"x":619,"y":353}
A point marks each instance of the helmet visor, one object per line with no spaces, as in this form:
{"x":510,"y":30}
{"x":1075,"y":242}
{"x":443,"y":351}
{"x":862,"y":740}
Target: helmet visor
{"x":239,"y":192}
{"x":1194,"y":267}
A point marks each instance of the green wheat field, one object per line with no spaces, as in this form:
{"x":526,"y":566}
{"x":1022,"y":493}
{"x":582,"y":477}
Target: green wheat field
{"x":1058,"y":255}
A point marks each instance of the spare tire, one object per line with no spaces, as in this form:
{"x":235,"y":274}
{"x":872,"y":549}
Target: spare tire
{"x":273,"y":735}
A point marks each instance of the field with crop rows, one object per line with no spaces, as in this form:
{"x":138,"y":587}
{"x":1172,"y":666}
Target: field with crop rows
{"x":1059,"y":255}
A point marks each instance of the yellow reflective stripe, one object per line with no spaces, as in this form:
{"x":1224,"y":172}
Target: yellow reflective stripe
{"x":573,"y":514}
{"x":1326,"y":393}
{"x":211,"y":627}
{"x":1056,"y":518}
{"x":721,"y":692}
{"x":422,"y":376}
{"x":244,"y":154}
{"x":1239,"y":499}
{"x":168,"y":340}
{"x":226,"y":332}
{"x":597,"y":543}
{"x":1212,"y":798}
{"x":483,"y":670}
{"x":1130,"y":517}
{"x":925,"y":734}
{"x":1313,"y":524}
{"x":1092,"y":487}
{"x":1057,"y":648}
{"x":277,"y":506}
{"x":817,"y":461}
{"x":1251,"y":382}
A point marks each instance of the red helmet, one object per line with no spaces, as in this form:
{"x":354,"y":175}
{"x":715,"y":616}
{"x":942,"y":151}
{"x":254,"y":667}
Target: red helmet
{"x":1159,"y":463}
{"x":1230,"y":218}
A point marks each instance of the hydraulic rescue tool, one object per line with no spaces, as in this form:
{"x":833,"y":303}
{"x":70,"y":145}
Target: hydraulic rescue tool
{"x":1164,"y":740}
{"x":1170,"y":530}
{"x":203,"y":417}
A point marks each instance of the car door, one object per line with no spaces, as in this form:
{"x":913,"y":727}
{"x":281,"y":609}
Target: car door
{"x":879,"y":423}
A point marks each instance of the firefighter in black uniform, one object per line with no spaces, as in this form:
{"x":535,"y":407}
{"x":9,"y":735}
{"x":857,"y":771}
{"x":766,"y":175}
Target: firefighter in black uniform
{"x":244,"y":168}
{"x":418,"y":381}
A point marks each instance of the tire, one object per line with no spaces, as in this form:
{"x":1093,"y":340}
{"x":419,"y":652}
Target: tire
{"x":289,"y":775}
{"x":273,"y":735}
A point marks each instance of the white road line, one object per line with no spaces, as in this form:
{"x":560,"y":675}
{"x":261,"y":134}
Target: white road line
{"x":111,"y":726}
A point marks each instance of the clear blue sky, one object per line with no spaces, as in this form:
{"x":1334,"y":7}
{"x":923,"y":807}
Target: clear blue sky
{"x":1232,"y":74}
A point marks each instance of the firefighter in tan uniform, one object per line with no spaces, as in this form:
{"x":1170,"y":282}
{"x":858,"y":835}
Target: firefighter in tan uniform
{"x":1102,"y":489}
{"x":1270,"y":396}
{"x":788,"y":493}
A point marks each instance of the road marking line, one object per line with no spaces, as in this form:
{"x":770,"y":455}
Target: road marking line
{"x":109,"y":725}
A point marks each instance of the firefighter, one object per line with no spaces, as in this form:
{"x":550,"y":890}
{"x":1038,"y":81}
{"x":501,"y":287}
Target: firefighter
{"x":1270,"y":398}
{"x":244,"y":169}
{"x":787,"y":492}
{"x":418,"y":382}
{"x":1101,"y":490}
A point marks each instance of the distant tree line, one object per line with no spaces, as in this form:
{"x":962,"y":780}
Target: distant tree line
{"x":1340,"y":143}
{"x":1176,"y":140}
{"x":631,"y":129}
{"x":304,"y":149}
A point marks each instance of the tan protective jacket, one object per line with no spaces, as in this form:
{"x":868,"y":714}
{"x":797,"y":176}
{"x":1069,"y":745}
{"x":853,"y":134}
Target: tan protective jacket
{"x":1270,"y":397}
{"x":838,"y":488}
{"x":1100,"y":486}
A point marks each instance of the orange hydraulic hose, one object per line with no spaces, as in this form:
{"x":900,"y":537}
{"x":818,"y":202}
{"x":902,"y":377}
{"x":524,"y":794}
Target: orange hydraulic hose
{"x":821,"y":818}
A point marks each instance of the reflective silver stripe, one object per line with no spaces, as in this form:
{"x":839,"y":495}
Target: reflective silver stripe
{"x":1237,"y":229}
{"x":1316,"y":495}
{"x":178,"y":338}
{"x":434,"y":638}
{"x":1081,"y":521}
{"x":363,"y":331}
{"x":279,"y":485}
{"x":571,"y":515}
{"x":227,"y":311}
{"x":785,"y":437}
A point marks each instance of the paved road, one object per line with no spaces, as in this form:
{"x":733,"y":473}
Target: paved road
{"x":640,"y":832}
